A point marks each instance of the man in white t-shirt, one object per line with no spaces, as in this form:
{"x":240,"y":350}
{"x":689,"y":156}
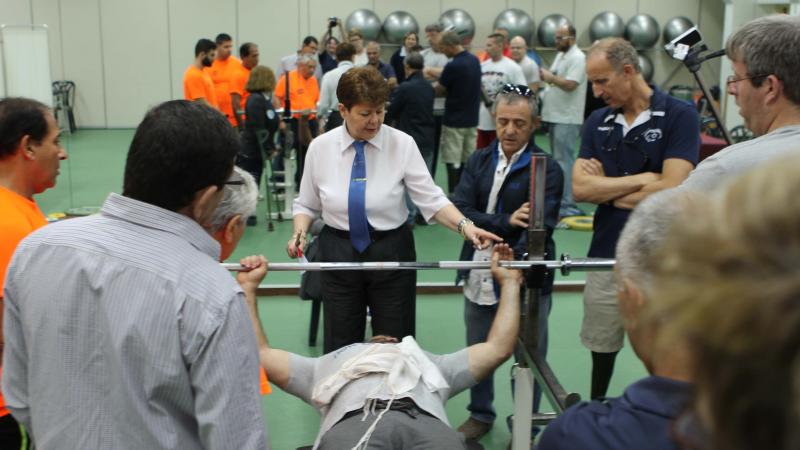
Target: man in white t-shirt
{"x":562,"y":108}
{"x":519,"y":53}
{"x":496,"y":72}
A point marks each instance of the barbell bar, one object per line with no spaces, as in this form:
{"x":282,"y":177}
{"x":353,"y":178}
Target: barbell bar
{"x":565,"y":265}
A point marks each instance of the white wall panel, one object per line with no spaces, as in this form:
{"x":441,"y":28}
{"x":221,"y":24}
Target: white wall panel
{"x":82,"y":60}
{"x":190,"y":20}
{"x":135,"y":58}
{"x":15,"y":12}
{"x":46,"y":12}
{"x":273,"y":25}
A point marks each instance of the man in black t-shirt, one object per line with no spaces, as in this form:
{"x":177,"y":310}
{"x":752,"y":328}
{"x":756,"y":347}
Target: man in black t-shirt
{"x":461,"y":80}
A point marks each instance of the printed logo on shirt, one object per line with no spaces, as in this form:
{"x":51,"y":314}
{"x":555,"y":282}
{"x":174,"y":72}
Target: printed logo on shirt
{"x":604,"y":128}
{"x":652,"y":135}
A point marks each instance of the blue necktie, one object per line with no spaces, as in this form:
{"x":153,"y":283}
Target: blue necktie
{"x":356,"y":200}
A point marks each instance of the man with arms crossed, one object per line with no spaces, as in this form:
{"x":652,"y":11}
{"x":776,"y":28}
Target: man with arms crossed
{"x":644,"y":141}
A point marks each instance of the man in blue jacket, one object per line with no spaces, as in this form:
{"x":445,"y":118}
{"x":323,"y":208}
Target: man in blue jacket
{"x":493,"y":192}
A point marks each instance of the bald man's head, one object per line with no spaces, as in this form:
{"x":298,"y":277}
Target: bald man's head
{"x":519,"y":48}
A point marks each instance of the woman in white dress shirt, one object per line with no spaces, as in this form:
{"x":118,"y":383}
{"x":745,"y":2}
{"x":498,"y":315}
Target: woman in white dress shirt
{"x":355,"y":178}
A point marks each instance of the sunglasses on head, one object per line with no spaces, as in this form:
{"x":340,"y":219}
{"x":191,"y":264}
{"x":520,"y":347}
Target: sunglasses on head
{"x":519,"y":89}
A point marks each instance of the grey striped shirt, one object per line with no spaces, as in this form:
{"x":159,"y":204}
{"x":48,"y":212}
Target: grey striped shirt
{"x":122,"y":331}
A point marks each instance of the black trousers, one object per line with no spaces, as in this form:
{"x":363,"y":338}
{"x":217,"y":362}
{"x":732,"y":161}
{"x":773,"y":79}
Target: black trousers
{"x":389,"y":294}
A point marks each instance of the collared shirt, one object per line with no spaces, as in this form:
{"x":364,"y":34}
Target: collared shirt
{"x":123,"y":331}
{"x":394,"y":166}
{"x":480,"y":287}
{"x":386,"y":70}
{"x":671,"y":131}
{"x":328,"y":101}
{"x":558,"y":105}
{"x":641,"y":418}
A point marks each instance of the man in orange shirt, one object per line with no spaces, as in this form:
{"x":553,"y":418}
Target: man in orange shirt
{"x":249,"y":54}
{"x":221,"y":72}
{"x":30,"y":154}
{"x":303,"y":96}
{"x":197,"y":85}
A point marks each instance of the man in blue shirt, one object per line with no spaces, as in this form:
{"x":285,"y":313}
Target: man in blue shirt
{"x":461,"y":80}
{"x":374,"y":60}
{"x":494,"y":192}
{"x":643,"y":417}
{"x":644,"y":141}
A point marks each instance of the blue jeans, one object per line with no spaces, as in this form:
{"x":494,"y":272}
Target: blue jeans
{"x":563,"y":139}
{"x":478,"y":319}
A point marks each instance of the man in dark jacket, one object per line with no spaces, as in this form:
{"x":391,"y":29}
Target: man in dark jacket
{"x":411,"y":110}
{"x":493,"y":192}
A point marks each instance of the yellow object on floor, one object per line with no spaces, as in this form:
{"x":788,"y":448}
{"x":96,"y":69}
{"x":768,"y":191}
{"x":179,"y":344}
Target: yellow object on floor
{"x":579,"y":223}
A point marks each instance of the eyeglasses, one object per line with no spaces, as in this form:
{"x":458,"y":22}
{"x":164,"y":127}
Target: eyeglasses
{"x":563,"y":38}
{"x":732,"y":78}
{"x":519,"y":89}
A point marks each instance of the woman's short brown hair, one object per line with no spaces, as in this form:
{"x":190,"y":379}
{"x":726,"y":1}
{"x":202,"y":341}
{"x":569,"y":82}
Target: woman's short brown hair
{"x":362,"y":85}
{"x":262,"y":79}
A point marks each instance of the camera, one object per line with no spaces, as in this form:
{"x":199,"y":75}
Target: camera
{"x":333,"y":21}
{"x":679,"y":47}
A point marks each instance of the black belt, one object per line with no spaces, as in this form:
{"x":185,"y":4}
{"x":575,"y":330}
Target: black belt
{"x":404,"y":405}
{"x":375,"y":235}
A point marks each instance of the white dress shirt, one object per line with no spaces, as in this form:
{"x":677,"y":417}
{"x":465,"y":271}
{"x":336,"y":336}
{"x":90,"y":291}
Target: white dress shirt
{"x":394,"y":166}
{"x":480,"y":286}
{"x":328,"y":101}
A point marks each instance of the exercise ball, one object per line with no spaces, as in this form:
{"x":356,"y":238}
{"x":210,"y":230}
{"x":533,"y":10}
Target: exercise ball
{"x":548,"y":27}
{"x":366,"y":21}
{"x":606,"y":24}
{"x":675,"y":27}
{"x":517,"y":22}
{"x":459,"y":21}
{"x":647,"y":67}
{"x":397,"y":24}
{"x":642,"y":31}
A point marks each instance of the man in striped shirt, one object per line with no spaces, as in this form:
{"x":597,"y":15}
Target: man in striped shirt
{"x":121,"y":329}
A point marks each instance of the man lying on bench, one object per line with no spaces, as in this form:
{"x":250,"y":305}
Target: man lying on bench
{"x":386,"y":392}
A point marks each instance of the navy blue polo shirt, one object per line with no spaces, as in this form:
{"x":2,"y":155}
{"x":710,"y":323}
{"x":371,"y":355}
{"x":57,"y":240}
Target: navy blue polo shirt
{"x":386,"y":70}
{"x":673,"y":131}
{"x":641,"y":419}
{"x":462,"y":79}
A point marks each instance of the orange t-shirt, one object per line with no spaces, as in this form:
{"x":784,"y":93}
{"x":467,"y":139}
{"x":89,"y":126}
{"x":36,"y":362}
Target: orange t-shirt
{"x":303,"y":93}
{"x":221,"y":73}
{"x":197,"y":84}
{"x":18,"y":218}
{"x":238,"y":81}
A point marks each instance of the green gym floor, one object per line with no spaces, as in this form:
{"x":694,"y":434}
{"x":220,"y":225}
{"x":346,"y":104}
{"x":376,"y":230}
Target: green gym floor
{"x":95,"y":168}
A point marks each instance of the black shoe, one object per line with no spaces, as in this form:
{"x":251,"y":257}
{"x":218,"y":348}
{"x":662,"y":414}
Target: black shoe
{"x":252,"y":221}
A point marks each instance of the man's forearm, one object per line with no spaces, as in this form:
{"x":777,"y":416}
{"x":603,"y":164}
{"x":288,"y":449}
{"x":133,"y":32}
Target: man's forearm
{"x":505,"y":327}
{"x":601,"y":189}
